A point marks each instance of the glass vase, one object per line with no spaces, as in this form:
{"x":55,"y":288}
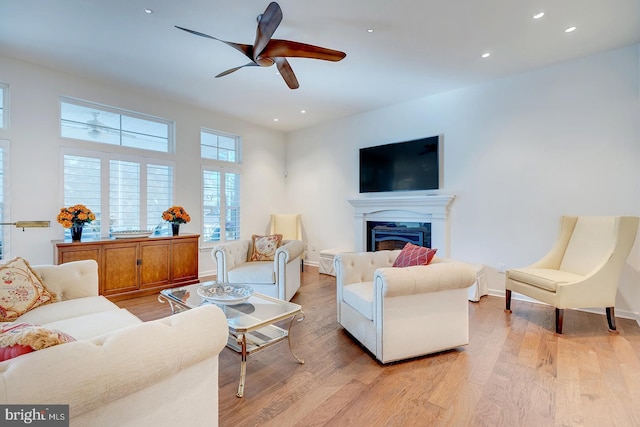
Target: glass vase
{"x":76,"y":233}
{"x":175,"y":229}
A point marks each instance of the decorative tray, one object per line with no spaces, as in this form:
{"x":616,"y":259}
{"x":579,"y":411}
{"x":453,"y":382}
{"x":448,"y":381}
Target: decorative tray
{"x":131,"y":234}
{"x":225,"y":293}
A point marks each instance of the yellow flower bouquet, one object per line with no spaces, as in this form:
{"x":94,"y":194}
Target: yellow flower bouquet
{"x":176,"y":215}
{"x":74,"y":216}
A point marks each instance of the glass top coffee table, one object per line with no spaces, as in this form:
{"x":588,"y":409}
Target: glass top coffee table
{"x":251,"y":323}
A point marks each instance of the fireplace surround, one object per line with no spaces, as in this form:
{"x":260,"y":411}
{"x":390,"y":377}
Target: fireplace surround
{"x":431,"y":209}
{"x":394,"y":235}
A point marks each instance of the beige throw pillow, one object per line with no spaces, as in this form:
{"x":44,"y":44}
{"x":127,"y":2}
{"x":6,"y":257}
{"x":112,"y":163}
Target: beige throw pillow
{"x":21,"y":290}
{"x":264,"y":247}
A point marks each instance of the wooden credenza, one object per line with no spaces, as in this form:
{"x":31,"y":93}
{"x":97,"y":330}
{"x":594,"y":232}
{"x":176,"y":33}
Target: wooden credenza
{"x":129,"y":268}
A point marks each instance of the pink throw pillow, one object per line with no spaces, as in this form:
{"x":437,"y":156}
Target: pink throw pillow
{"x":414,"y":255}
{"x":21,"y":338}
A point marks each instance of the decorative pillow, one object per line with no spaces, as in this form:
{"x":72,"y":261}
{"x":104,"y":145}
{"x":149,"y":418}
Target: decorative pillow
{"x":21,"y":338}
{"x":264,"y":247}
{"x":414,"y":255}
{"x":20,"y":290}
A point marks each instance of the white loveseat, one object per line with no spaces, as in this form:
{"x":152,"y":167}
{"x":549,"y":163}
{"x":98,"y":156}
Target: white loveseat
{"x":279,"y":278}
{"x":120,"y":371}
{"x":399,"y":313}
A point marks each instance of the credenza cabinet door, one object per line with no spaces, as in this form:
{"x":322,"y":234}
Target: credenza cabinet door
{"x":184,"y":261}
{"x":119,"y":269}
{"x":155,"y":264}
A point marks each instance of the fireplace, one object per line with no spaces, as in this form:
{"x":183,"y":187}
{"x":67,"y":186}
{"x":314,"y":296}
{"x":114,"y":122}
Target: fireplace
{"x":404,"y":210}
{"x":386,"y":235}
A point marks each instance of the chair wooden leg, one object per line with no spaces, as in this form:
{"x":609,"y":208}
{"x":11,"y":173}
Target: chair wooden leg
{"x":611,"y":319}
{"x":559,"y":320}
{"x":507,"y":300}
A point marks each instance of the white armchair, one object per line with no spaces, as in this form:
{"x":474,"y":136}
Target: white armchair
{"x":399,"y":313}
{"x":582,"y":269}
{"x":279,"y":278}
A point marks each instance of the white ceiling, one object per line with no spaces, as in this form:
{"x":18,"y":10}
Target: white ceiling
{"x":418,"y":48}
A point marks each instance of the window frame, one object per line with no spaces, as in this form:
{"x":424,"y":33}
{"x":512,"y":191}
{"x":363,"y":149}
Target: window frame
{"x":105,"y":204}
{"x":171,"y":126}
{"x":223,"y":170}
{"x":5,"y":217}
{"x":223,"y":167}
{"x":4,"y":103}
{"x":237,"y":143}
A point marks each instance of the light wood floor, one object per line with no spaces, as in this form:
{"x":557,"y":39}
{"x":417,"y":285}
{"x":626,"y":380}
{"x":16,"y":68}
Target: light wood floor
{"x":515,"y":372}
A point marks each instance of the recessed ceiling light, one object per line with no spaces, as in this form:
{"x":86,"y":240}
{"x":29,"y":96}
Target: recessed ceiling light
{"x":303,"y":111}
{"x":538,"y":15}
{"x":570,"y":30}
{"x":276,"y":120}
{"x":148,"y":11}
{"x":486,"y":55}
{"x":370,"y":30}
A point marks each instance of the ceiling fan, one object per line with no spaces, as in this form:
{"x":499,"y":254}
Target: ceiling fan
{"x":266,"y":51}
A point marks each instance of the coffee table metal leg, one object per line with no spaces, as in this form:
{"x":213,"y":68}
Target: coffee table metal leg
{"x":164,"y":300}
{"x":299,"y":319}
{"x":242,"y":340}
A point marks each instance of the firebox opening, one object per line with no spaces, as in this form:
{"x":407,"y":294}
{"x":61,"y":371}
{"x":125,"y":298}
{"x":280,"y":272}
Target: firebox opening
{"x":394,"y":235}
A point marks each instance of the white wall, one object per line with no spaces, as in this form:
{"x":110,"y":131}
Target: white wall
{"x":519,"y":152}
{"x":35,"y":154}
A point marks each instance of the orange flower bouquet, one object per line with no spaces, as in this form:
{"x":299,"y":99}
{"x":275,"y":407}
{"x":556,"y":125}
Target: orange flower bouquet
{"x":75,"y":216}
{"x":176,"y":215}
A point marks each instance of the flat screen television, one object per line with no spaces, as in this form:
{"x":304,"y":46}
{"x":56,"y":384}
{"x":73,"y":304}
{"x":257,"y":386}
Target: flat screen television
{"x":401,"y":166}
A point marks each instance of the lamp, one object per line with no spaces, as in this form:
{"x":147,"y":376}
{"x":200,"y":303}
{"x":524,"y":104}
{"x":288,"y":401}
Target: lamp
{"x":28,"y":224}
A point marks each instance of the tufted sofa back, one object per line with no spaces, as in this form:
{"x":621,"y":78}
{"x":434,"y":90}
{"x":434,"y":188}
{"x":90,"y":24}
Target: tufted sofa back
{"x":359,"y":267}
{"x":70,"y":280}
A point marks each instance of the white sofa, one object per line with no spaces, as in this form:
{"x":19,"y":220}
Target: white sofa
{"x":279,"y":278}
{"x":400,"y":313}
{"x":120,"y":371}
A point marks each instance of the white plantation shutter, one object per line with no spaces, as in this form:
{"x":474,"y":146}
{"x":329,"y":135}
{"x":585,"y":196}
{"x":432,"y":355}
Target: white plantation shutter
{"x":232,"y":204}
{"x":82,"y":185}
{"x":159,"y":193}
{"x":221,"y":205}
{"x":125,"y":194}
{"x":211,"y":206}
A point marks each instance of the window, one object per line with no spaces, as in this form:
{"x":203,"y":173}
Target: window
{"x":108,"y":125}
{"x":4,"y":105}
{"x":4,"y":206}
{"x":219,"y":146}
{"x":220,"y":186}
{"x":221,"y":203}
{"x":82,"y":184}
{"x":130,"y":192}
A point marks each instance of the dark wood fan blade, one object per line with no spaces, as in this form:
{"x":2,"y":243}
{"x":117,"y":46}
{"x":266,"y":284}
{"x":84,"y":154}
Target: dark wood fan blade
{"x":267,"y":24}
{"x":246,"y":49}
{"x":286,"y":48}
{"x":231,"y":70}
{"x":286,"y":72}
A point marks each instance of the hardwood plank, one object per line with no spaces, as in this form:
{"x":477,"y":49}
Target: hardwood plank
{"x":515,"y":371}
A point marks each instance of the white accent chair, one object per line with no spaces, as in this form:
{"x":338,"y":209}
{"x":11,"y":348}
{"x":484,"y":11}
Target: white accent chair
{"x":279,"y":278}
{"x":400,"y":313}
{"x":290,"y":226}
{"x":582,"y":269}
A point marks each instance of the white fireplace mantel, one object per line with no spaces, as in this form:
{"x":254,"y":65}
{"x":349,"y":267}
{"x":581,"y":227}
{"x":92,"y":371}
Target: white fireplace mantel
{"x":432,"y":209}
